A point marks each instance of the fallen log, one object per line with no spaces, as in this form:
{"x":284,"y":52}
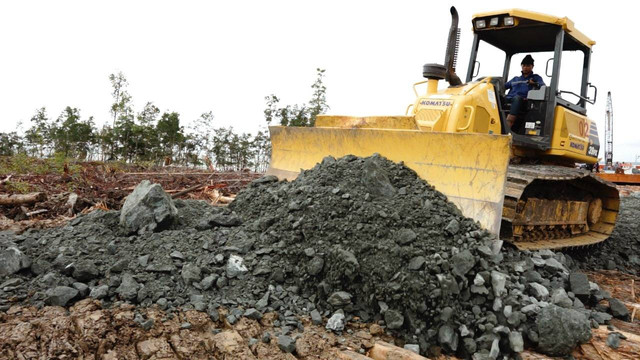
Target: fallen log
{"x":597,"y":348}
{"x":22,"y":199}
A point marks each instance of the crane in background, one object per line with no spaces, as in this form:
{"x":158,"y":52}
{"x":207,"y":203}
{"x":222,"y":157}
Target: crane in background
{"x":619,"y":177}
{"x":608,"y":134}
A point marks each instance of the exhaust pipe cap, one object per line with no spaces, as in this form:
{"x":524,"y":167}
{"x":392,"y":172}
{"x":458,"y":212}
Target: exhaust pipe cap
{"x":434,"y":71}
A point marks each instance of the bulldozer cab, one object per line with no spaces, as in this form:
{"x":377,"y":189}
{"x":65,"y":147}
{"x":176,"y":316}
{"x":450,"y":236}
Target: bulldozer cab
{"x":515,"y":33}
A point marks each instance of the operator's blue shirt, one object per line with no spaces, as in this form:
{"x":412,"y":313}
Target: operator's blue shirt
{"x":518,"y":85}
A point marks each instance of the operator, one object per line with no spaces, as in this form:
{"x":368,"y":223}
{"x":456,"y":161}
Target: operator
{"x":519,"y":87}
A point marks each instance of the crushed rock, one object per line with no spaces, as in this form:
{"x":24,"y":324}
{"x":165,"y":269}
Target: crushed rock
{"x":367,"y":228}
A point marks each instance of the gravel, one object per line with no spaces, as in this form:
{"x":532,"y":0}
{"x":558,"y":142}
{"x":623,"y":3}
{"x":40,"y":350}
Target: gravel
{"x":350,"y":237}
{"x":622,"y":250}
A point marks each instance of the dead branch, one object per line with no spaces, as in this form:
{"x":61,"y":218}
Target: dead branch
{"x":36,"y":212}
{"x":22,"y":199}
{"x":216,"y":197}
{"x":2,"y":182}
{"x":196,"y":187}
{"x":186,"y":191}
{"x":187,"y":173}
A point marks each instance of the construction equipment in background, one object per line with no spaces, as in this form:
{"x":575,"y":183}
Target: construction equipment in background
{"x":615,"y":172}
{"x":608,"y":134}
{"x":621,"y":179}
{"x":457,"y":139}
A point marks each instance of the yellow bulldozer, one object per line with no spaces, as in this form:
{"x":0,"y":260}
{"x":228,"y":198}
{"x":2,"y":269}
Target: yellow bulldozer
{"x":521,"y":182}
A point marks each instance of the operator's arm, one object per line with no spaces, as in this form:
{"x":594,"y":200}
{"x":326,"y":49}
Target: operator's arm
{"x":508,"y":85}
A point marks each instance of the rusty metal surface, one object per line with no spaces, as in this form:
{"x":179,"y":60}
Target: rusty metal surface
{"x":553,"y":224}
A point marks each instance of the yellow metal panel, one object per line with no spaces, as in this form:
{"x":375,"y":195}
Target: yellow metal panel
{"x":521,"y":14}
{"x":611,"y":203}
{"x":603,"y":228}
{"x":565,"y":22}
{"x":470,"y":169}
{"x":481,"y":123}
{"x":570,"y":136}
{"x":608,"y":216}
{"x":362,"y":122}
{"x":508,"y":212}
{"x":469,"y":108}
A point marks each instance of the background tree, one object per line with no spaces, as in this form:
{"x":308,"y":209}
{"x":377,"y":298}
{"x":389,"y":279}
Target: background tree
{"x":123,"y":118}
{"x":120,"y":96}
{"x":262,"y":151}
{"x":318,"y":103}
{"x":145,"y":138}
{"x":202,"y":131}
{"x":72,"y":137}
{"x":37,"y":137}
{"x":169,"y":134}
{"x":11,"y":144}
{"x":151,"y":136}
{"x":299,"y":114}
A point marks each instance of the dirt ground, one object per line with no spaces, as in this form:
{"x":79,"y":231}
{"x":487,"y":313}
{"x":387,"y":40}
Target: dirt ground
{"x":86,"y":330}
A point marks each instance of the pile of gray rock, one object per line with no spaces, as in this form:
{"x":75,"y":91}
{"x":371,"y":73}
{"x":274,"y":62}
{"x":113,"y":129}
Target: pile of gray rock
{"x":350,"y":238}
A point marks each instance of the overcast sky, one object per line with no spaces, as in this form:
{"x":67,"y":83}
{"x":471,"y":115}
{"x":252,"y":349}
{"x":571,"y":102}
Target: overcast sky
{"x":197,"y":56}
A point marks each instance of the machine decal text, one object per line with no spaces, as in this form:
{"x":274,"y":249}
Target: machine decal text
{"x":576,"y":145}
{"x":436,"y":102}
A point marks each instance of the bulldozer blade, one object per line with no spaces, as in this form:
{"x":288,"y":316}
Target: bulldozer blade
{"x":470,"y":169}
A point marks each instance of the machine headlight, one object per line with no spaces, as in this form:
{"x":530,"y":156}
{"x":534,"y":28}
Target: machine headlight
{"x":508,"y":21}
{"x":481,"y":24}
{"x":493,"y":21}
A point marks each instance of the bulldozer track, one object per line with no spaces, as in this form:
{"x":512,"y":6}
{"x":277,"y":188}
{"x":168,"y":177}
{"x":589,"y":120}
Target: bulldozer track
{"x":565,"y":233}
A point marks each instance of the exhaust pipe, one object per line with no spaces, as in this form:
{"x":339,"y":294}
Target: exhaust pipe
{"x":453,"y":45}
{"x":437,"y":72}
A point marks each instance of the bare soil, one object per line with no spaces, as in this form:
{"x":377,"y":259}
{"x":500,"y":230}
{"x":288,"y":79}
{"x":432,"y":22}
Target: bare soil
{"x":87,"y":330}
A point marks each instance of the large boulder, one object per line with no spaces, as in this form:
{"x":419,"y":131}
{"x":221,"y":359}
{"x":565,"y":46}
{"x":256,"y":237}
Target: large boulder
{"x":60,"y":295}
{"x":147,"y":208}
{"x":13,"y":260}
{"x":560,"y":330}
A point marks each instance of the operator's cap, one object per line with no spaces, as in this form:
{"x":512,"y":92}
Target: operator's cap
{"x":528,"y":60}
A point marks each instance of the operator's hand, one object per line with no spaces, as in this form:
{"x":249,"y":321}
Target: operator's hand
{"x":533,"y":83}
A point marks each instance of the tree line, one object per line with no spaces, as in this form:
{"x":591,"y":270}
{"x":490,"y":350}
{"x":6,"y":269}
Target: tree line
{"x":155,"y":137}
